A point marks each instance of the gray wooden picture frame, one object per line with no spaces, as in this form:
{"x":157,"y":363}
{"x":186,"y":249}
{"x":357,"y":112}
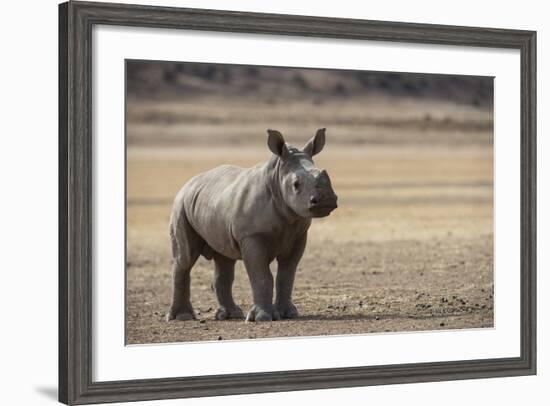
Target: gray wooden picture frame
{"x":76,"y":20}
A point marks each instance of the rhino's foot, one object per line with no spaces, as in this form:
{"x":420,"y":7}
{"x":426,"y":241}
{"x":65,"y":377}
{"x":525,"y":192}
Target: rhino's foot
{"x":226,"y":313}
{"x":288,"y":311}
{"x":184,"y":313}
{"x":257,"y":313}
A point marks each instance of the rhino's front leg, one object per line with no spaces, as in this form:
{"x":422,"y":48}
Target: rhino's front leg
{"x":285,"y":279}
{"x":256,"y":262}
{"x":223,"y":282}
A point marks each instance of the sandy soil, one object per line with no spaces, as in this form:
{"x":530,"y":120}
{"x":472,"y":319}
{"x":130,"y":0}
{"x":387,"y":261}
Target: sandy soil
{"x":410,"y":247}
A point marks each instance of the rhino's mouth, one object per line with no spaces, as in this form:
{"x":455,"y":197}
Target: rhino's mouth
{"x":322,"y":211}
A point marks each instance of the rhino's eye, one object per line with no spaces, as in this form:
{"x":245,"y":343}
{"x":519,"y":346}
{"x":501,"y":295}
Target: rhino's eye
{"x":296,"y":185}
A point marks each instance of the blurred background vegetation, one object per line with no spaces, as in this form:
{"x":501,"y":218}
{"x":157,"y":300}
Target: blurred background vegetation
{"x":185,"y":80}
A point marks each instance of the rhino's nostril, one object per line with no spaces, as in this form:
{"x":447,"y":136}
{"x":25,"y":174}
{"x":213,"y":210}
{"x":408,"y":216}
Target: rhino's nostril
{"x":313,"y":200}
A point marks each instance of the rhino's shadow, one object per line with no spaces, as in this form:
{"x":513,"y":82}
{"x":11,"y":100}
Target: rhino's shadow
{"x":334,"y":317}
{"x":388,"y":316}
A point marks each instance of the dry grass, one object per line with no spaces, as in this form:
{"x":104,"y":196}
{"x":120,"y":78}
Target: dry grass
{"x":371,"y":120}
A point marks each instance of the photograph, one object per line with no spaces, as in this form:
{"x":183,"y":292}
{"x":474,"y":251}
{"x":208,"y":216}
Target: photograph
{"x":267,"y":201}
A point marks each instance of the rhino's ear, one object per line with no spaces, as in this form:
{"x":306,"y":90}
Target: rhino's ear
{"x":316,"y":144}
{"x":276,"y":143}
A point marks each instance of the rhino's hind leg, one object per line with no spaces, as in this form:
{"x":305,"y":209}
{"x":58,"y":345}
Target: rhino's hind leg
{"x":186,"y":247}
{"x":223,"y":284}
{"x":181,"y":308}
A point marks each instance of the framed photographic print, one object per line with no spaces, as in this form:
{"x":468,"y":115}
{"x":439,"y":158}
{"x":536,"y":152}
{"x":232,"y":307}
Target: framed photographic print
{"x":258,"y":202}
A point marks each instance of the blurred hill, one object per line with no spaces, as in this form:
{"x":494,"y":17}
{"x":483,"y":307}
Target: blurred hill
{"x":193,"y":103}
{"x":191,"y":80}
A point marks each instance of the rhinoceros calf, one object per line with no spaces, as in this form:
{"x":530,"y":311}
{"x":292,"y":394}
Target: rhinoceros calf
{"x":257,"y":214}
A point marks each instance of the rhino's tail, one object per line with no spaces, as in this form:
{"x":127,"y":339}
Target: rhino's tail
{"x":187,"y":245}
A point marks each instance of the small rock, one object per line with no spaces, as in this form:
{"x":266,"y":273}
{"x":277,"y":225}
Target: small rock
{"x":202,"y":321}
{"x":220,"y":338}
{"x":377,"y":318}
{"x":441,"y":324}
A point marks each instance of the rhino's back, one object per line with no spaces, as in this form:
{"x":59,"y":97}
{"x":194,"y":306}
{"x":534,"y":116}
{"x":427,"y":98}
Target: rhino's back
{"x":212,"y":182}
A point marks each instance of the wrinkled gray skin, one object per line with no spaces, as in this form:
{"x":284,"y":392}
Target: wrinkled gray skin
{"x":258,"y":215}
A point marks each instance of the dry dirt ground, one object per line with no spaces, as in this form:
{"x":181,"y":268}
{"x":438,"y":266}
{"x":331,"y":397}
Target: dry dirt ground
{"x":409,"y":248}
